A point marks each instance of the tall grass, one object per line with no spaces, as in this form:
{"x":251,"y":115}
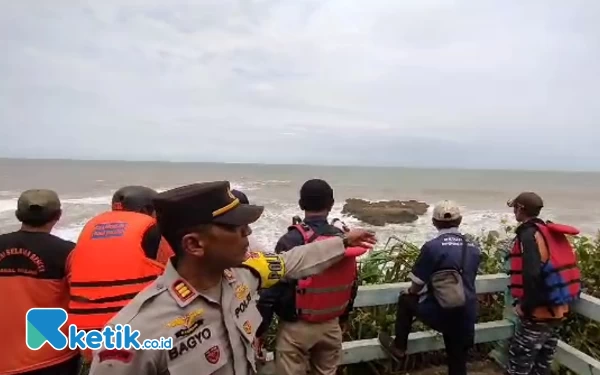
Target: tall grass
{"x":392,"y":263}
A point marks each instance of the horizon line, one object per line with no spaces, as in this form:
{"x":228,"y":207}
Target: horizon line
{"x":324,"y":165}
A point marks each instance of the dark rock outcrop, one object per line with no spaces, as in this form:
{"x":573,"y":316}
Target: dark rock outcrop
{"x":385,"y":212}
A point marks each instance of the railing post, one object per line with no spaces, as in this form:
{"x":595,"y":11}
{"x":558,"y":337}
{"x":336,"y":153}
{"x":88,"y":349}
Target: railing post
{"x":500,"y":353}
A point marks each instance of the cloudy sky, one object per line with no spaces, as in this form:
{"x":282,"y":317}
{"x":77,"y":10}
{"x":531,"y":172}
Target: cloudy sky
{"x":507,"y":83}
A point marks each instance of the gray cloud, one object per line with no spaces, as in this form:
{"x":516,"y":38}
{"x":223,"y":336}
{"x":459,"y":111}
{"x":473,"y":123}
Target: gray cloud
{"x":427,"y":83}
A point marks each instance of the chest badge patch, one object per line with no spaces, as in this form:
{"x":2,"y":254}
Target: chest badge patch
{"x":241,"y":291}
{"x":124,"y":356}
{"x":213,"y":354}
{"x":187,"y":320}
{"x":247,"y":327}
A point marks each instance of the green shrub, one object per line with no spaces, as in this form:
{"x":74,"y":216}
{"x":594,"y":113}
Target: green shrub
{"x":392,"y":263}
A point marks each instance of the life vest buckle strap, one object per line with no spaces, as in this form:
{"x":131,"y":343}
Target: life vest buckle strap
{"x":562,"y":285}
{"x":330,"y":310}
{"x":325,"y":290}
{"x":93,"y":311}
{"x":118,"y":298}
{"x":559,"y":269}
{"x":107,"y":283}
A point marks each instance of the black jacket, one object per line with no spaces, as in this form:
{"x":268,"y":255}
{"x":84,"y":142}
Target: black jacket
{"x":281,"y":298}
{"x":533,"y":289}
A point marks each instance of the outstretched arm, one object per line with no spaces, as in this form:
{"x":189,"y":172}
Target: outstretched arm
{"x":305,"y":260}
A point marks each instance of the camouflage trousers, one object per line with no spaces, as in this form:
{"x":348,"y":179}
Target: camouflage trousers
{"x":532,"y":348}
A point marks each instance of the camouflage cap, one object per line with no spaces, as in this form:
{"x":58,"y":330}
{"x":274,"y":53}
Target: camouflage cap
{"x":38,"y":201}
{"x":527,"y":199}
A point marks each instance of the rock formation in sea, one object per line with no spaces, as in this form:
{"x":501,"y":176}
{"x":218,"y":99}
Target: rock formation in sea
{"x":384,"y":212}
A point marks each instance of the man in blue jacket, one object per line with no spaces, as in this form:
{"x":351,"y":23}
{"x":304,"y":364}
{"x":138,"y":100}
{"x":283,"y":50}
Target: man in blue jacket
{"x":457,"y":325}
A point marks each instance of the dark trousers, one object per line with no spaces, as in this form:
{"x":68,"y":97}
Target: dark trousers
{"x":70,"y":367}
{"x":532,"y":348}
{"x":456,"y":340}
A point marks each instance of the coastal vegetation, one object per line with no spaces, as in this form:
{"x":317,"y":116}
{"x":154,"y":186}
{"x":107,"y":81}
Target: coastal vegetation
{"x":391,"y":263}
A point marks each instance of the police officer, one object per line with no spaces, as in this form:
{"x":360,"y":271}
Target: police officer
{"x":204,"y":300}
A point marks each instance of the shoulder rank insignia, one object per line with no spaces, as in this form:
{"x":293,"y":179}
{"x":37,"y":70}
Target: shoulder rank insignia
{"x":182,"y":290}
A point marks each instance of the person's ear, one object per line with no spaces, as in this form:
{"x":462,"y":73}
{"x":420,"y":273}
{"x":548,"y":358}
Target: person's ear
{"x":193,"y":244}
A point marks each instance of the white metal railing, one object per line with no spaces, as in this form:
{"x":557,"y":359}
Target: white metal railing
{"x":387,"y":294}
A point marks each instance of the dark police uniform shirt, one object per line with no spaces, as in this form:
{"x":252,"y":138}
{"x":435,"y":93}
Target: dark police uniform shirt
{"x":445,"y":251}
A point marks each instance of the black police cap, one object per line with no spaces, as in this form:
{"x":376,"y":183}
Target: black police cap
{"x":203,"y":203}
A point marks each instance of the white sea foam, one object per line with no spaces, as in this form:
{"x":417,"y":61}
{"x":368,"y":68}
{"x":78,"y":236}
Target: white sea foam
{"x":8,"y":205}
{"x":70,"y":233}
{"x":274,"y":222}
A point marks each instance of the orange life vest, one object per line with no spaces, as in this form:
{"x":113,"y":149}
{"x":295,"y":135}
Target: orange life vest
{"x":325,"y":296}
{"x":109,"y":267}
{"x":32,"y":275}
{"x":165,"y":252}
{"x":560,"y":274}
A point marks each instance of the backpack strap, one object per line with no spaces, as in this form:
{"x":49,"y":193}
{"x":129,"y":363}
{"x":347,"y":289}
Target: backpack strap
{"x":308,"y":234}
{"x":463,"y":259}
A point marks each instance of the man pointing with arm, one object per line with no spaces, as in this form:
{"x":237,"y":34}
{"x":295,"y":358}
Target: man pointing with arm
{"x":204,"y":300}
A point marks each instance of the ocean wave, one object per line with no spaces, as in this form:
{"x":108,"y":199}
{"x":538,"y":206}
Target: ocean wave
{"x":8,"y":204}
{"x":273,"y":224}
{"x":276,"y":219}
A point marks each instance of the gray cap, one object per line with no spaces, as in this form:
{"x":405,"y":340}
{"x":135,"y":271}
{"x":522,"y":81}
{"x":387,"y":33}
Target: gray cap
{"x":446,"y":211}
{"x":38,"y":202}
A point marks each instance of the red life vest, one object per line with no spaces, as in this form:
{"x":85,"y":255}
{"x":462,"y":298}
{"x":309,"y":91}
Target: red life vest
{"x":325,"y":296}
{"x":560,"y":273}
